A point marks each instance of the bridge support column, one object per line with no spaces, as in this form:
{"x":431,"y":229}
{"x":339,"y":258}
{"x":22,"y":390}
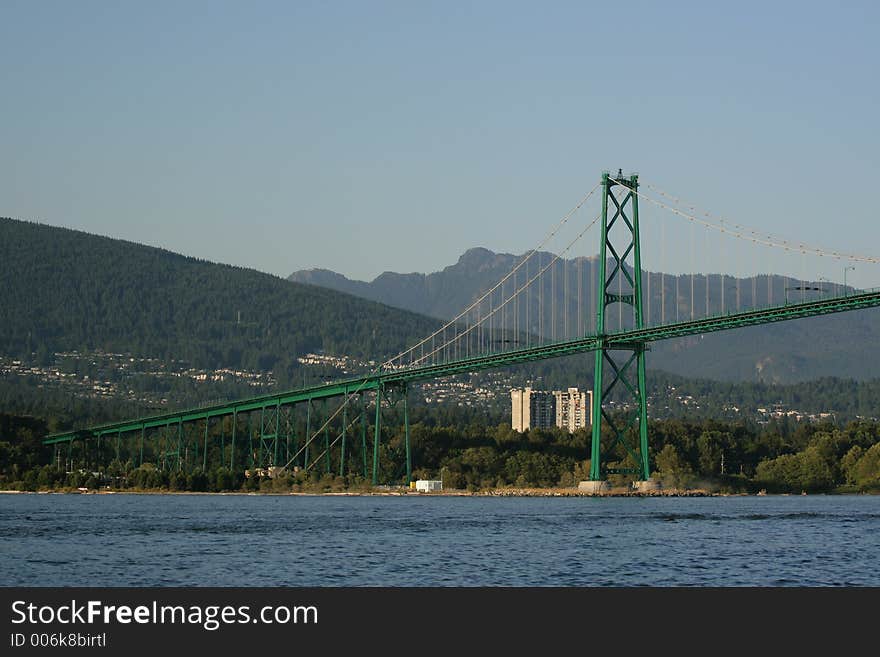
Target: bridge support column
{"x":232,"y":446}
{"x":364,"y":433}
{"x":308,"y":434}
{"x":327,"y":447}
{"x":377,"y":433}
{"x":406,"y":433}
{"x":288,"y":427}
{"x":179,"y":442}
{"x":342,"y":447}
{"x":277,"y":432}
{"x":622,"y":285}
{"x":250,"y":433}
{"x":261,"y":460}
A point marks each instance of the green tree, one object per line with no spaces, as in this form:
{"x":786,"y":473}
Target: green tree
{"x":672,"y":468}
{"x":848,"y":463}
{"x":867,"y":469}
{"x":710,"y":445}
{"x":816,"y":470}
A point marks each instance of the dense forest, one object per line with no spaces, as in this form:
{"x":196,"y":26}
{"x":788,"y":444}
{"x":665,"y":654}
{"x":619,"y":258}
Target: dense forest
{"x":66,"y":290}
{"x":458,"y":446}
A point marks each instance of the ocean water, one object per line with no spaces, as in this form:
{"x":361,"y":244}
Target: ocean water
{"x":244,"y":540}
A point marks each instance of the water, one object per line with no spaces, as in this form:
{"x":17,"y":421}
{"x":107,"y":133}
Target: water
{"x":241,"y":540}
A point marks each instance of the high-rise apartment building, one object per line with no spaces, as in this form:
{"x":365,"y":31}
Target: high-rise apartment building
{"x":572,"y":408}
{"x":532,"y":409}
{"x":539,"y":409}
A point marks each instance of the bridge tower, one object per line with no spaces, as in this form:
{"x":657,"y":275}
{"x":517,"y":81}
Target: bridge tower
{"x":619,"y":241}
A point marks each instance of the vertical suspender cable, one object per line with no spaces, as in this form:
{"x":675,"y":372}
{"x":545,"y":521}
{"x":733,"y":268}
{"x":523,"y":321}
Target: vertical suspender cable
{"x":553,"y":303}
{"x":490,"y":339}
{"x":580,"y":274}
{"x":692,"y":271}
{"x":593,"y":314}
{"x":662,"y":272}
{"x":502,"y":322}
{"x":565,"y":299}
{"x":528,"y":309}
{"x":677,"y":279}
{"x":721,"y":269}
{"x":706,"y":275}
{"x":515,"y":308}
{"x":541,"y":307}
{"x":803,"y":276}
{"x":754,"y":282}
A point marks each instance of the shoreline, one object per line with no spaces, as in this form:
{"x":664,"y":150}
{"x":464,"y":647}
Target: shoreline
{"x":498,"y":492}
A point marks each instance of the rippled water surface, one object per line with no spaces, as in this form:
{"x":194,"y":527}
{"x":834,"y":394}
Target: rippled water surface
{"x":240,"y":540}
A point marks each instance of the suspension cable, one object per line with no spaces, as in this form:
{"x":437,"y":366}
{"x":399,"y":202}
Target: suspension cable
{"x":421,"y":344}
{"x":526,"y":285}
{"x":330,"y":446}
{"x":746,"y":233}
{"x":486,"y":294}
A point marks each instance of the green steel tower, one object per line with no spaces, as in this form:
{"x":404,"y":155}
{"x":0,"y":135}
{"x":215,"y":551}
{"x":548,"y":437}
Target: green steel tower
{"x":623,"y":284}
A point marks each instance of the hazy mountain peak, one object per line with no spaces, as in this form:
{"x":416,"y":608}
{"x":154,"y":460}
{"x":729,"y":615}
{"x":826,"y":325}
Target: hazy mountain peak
{"x":317,"y":276}
{"x":767,"y":353}
{"x":478,"y":253}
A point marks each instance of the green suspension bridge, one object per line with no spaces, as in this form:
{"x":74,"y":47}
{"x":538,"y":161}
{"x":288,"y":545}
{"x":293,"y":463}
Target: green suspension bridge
{"x":515,"y":321}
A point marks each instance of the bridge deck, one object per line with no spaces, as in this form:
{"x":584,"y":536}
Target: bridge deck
{"x":866,"y":299}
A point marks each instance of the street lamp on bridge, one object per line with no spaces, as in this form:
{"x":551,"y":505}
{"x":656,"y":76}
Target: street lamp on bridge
{"x":845,"y":269}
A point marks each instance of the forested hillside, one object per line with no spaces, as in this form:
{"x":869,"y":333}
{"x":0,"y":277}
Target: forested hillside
{"x":62,"y":289}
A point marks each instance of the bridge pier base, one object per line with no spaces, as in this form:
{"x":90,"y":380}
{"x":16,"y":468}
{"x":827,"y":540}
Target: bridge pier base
{"x":647,"y":485}
{"x":594,"y":487}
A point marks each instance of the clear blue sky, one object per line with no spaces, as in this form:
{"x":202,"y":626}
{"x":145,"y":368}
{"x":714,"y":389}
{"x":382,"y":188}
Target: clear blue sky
{"x":372,"y":136}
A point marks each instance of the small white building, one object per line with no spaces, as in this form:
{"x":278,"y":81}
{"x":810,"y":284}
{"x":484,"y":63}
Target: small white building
{"x":428,"y":485}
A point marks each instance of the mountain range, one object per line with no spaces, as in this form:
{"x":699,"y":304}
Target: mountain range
{"x":64,"y":290}
{"x":837,"y":345}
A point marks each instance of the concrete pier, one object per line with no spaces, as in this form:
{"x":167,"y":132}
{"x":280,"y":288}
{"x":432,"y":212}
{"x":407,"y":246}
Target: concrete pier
{"x":594,"y":487}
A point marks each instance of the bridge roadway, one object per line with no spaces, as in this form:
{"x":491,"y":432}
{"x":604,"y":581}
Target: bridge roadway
{"x":397,"y":377}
